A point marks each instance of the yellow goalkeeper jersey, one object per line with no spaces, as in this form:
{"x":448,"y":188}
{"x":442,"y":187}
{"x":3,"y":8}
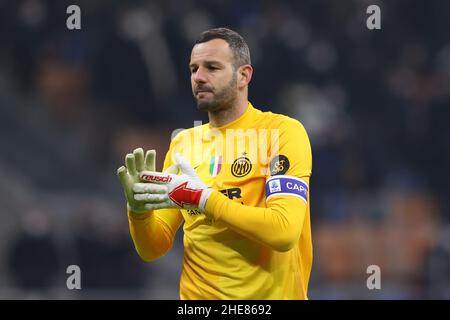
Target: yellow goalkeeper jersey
{"x":254,"y":239}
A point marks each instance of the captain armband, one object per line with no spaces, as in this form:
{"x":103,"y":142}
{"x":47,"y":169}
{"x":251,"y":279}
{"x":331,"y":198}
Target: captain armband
{"x":286,"y":185}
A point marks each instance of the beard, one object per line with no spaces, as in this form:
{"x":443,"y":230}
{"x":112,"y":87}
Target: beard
{"x":221,"y":100}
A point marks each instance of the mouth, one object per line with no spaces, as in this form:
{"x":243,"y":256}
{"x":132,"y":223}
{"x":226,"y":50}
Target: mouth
{"x":202,"y":92}
{"x":201,"y":89}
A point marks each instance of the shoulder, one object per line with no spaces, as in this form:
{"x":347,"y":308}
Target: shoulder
{"x":291,"y":153}
{"x":283,"y":123}
{"x":187,"y":142}
{"x":182,"y":135}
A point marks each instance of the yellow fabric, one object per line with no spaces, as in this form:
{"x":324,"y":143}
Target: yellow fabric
{"x":242,"y":247}
{"x":153,"y":232}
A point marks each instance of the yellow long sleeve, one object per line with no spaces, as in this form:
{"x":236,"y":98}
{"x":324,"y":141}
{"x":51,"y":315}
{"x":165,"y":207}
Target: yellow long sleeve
{"x":153,"y":232}
{"x":278,"y":226}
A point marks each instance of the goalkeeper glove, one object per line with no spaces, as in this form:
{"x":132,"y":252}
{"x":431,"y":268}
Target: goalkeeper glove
{"x":129,"y":175}
{"x":168,"y":190}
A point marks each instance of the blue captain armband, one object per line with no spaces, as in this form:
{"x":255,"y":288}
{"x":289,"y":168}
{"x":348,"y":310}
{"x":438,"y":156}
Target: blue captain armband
{"x":286,"y":185}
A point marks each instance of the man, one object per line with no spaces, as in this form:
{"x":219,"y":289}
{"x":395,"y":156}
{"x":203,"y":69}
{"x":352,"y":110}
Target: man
{"x":247,"y":231}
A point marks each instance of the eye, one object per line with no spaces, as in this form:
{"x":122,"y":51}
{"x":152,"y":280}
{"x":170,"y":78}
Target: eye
{"x":193,"y":70}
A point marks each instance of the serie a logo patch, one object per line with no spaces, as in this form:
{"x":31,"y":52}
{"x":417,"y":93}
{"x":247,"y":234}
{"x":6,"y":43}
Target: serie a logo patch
{"x":274,"y":186}
{"x":241,"y":167}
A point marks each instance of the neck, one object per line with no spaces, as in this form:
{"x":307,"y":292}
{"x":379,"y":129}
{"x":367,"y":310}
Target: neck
{"x":223,"y":117}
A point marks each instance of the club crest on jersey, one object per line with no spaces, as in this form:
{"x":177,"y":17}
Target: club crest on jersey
{"x":241,"y":167}
{"x":279,"y":165}
{"x":215,"y":165}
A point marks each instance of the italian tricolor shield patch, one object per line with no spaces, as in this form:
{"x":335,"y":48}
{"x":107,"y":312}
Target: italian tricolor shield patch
{"x":215,"y":165}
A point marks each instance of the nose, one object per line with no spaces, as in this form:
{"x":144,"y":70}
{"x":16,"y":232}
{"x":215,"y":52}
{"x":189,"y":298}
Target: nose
{"x":199,"y":76}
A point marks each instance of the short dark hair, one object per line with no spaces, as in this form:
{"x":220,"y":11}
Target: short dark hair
{"x":241,"y":52}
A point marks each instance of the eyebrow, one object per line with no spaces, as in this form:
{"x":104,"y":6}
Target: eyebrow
{"x":207,"y":62}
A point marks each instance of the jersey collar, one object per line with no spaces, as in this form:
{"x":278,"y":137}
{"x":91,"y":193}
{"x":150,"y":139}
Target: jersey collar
{"x":238,"y":123}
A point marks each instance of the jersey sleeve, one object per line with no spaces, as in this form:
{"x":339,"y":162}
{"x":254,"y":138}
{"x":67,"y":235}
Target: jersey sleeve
{"x":279,"y":225}
{"x":153,"y":232}
{"x":290,"y":164}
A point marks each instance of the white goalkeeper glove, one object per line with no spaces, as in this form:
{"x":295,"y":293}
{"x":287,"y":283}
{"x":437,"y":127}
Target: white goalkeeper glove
{"x":167,"y":190}
{"x":129,"y":175}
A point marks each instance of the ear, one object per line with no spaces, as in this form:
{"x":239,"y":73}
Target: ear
{"x":244,"y":75}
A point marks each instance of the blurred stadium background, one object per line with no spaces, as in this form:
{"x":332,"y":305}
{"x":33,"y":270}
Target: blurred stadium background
{"x":376,"y":105}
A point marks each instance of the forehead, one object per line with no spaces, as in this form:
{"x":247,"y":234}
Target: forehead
{"x":216,"y":49}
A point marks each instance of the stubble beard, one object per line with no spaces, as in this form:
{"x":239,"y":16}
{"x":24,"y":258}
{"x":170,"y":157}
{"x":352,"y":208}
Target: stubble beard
{"x":222,"y":100}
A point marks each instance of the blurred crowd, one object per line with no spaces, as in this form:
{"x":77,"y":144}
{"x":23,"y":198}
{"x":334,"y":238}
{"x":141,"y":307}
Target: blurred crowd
{"x":73,"y":102}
